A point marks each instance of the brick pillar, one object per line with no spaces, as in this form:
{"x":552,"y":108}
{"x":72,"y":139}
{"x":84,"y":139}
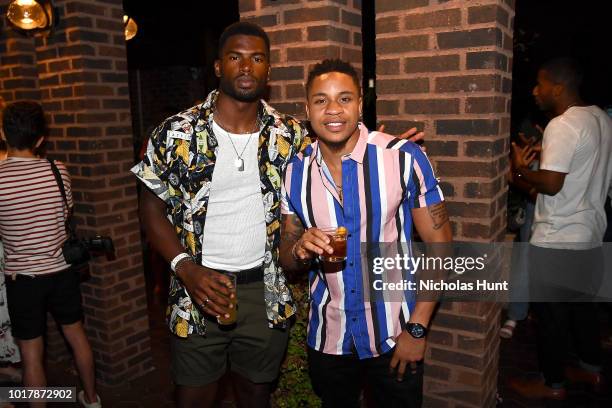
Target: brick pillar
{"x":302,"y":33}
{"x":446,"y":66}
{"x":82,"y":81}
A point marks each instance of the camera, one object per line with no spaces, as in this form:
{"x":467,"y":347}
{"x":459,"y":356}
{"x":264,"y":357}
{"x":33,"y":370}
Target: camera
{"x":78,"y":251}
{"x":100,"y":244}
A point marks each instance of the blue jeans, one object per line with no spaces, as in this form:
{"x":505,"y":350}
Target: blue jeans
{"x":519,"y":275}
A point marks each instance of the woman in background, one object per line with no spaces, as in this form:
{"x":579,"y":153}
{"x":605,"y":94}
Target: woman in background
{"x":32,"y":226}
{"x":9,"y":352}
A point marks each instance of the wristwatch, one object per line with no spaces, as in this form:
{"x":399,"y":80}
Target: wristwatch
{"x":416,"y":330}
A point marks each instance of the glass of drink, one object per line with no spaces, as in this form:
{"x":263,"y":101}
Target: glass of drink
{"x":234,"y":302}
{"x":337,"y":236}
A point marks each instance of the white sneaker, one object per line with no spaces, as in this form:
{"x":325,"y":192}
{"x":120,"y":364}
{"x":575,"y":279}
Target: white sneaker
{"x":97,"y":404}
{"x":507,"y":329}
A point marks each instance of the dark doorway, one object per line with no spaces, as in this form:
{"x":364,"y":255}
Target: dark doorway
{"x":170,"y":60}
{"x":368,"y":41}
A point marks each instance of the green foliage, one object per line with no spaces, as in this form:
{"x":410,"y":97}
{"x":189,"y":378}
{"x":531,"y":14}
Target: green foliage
{"x":294,"y":388}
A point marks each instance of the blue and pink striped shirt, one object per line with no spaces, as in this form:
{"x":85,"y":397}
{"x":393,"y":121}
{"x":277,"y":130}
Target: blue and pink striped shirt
{"x":383,"y":179}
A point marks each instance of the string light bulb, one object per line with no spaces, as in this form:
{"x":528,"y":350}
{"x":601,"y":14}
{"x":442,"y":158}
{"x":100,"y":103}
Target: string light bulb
{"x":130,"y":27}
{"x":31,"y":15}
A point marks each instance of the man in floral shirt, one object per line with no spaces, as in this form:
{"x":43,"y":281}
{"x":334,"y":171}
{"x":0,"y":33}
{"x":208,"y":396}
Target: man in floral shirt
{"x":217,"y":169}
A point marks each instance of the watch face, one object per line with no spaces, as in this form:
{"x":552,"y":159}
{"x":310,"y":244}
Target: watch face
{"x":417,"y":331}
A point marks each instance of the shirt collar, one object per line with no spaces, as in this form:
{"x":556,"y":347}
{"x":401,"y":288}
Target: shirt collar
{"x":357,"y":153}
{"x":360,"y":148}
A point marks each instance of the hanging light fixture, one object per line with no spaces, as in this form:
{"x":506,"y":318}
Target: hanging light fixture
{"x":30,"y":16}
{"x":130,"y":27}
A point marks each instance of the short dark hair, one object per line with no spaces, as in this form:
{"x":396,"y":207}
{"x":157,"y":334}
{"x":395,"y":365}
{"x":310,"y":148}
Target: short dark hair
{"x":564,"y":71}
{"x":23,"y":123}
{"x":333,"y":65}
{"x":243,"y":28}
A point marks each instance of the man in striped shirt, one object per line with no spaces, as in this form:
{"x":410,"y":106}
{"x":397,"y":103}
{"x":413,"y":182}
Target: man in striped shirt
{"x":377,"y":187}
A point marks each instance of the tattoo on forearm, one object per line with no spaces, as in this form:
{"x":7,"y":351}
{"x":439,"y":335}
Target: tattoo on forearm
{"x":296,"y":223}
{"x":293,"y":228}
{"x":292,"y":236}
{"x":438,"y":215}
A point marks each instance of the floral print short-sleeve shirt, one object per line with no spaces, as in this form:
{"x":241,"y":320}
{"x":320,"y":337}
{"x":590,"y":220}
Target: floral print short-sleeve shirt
{"x":178,"y":167}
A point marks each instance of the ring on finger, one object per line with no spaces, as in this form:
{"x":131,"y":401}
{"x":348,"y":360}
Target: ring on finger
{"x":205,"y":303}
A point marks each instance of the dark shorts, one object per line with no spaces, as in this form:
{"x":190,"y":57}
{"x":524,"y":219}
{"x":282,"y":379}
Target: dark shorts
{"x":250,"y":348}
{"x":29,"y":300}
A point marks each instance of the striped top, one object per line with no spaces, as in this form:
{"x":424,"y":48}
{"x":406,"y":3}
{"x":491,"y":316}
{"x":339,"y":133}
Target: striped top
{"x":383,"y":178}
{"x":32,"y":216}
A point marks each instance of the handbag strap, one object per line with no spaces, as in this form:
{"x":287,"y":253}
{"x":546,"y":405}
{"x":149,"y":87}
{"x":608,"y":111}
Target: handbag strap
{"x":60,"y":184}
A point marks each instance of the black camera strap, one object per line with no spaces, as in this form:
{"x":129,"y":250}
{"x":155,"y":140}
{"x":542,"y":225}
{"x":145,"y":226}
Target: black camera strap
{"x":75,"y":251}
{"x":60,"y":184}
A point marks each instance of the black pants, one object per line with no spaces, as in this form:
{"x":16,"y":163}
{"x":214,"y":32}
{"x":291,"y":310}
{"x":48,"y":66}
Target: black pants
{"x":337,"y":380}
{"x":568,"y":315}
{"x":555,"y":323}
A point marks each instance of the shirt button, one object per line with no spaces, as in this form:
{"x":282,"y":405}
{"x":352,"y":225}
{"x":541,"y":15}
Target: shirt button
{"x":354,"y":319}
{"x":350,"y":235}
{"x":352,"y":290}
{"x":350,"y":264}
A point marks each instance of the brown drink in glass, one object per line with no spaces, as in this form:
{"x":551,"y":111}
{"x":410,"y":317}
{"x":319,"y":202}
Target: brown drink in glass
{"x":337,"y":236}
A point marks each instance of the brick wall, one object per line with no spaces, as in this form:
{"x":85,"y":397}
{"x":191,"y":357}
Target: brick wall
{"x":302,"y":33}
{"x":18,"y":75}
{"x":446,"y":67}
{"x":80,"y":77}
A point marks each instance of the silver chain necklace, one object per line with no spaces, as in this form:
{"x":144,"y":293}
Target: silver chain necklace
{"x":238,"y":161}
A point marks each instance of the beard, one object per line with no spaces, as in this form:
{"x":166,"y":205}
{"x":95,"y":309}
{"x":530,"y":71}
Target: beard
{"x":243,"y":95}
{"x":545,"y":105}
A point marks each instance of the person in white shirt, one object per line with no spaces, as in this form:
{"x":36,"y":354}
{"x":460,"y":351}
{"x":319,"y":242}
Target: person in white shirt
{"x":566,"y":260}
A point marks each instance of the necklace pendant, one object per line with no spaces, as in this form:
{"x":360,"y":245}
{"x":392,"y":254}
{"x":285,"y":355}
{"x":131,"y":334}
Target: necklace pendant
{"x":239,"y":163}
